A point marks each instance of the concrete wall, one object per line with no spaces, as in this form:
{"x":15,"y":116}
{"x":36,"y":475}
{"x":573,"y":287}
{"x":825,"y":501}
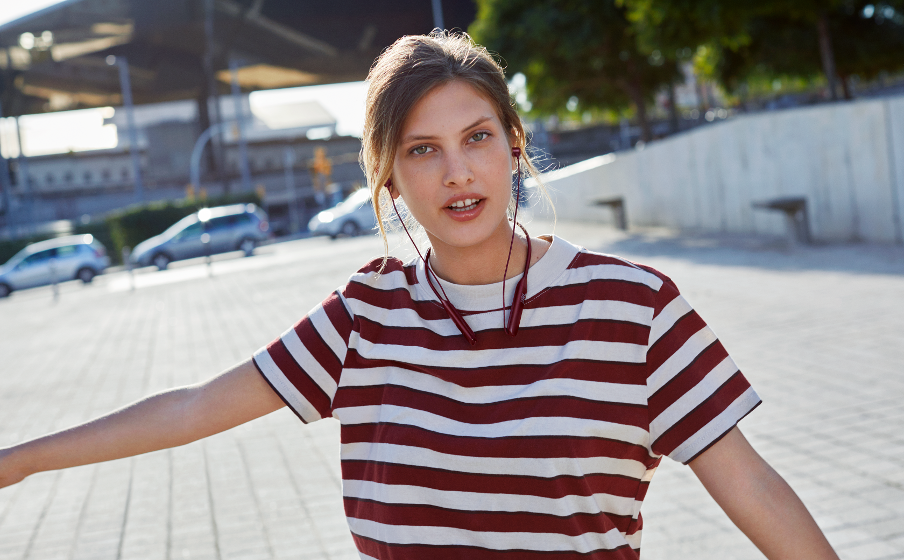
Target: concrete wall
{"x":847,"y":159}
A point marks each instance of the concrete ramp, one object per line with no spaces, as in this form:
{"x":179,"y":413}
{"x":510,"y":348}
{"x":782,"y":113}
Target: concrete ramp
{"x":846,"y":159}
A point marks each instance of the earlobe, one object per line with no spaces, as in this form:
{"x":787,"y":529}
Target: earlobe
{"x":394,"y":193}
{"x":516,"y":154}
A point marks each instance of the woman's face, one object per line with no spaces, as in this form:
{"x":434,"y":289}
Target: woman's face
{"x":453,"y":167}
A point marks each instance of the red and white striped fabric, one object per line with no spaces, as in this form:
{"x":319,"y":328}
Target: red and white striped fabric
{"x":541,"y":445}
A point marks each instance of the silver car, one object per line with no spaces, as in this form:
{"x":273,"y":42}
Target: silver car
{"x":238,"y":227}
{"x":65,"y":258}
{"x":352,"y":216}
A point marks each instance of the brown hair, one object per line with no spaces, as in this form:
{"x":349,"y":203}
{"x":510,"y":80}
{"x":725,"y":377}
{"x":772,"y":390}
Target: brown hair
{"x":402,"y":76}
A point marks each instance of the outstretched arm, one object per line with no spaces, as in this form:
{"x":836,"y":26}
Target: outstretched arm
{"x":168,"y":419}
{"x":759,"y":501}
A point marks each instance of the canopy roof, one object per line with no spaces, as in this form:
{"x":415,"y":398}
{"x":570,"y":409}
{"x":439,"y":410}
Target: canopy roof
{"x":56,"y":58}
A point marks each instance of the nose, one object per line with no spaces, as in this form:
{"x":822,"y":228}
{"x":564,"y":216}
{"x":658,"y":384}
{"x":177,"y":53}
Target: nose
{"x":457,"y":170}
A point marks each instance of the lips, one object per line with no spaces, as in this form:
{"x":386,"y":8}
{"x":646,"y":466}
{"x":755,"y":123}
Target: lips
{"x":464,"y":205}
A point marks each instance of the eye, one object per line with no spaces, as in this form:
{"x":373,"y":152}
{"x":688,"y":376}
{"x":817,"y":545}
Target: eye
{"x":421,"y":150}
{"x":478,"y":136}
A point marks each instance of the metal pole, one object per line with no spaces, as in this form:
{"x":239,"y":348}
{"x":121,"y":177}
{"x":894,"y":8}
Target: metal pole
{"x":127,"y":262}
{"x":289,"y":160}
{"x":54,"y":283}
{"x":826,"y":53}
{"x":205,"y":242}
{"x":5,"y":184}
{"x":624,"y":131}
{"x":215,"y":117}
{"x":240,"y":119}
{"x":23,"y":178}
{"x":195,"y":165}
{"x":893,"y":175}
{"x":126,"y":85}
{"x":438,"y":14}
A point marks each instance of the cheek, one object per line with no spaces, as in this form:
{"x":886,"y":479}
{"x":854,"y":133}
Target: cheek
{"x":412,"y":175}
{"x":499,"y":171}
{"x":413,"y":187}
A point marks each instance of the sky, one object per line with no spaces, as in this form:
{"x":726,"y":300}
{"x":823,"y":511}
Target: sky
{"x":55,"y":133}
{"x":14,"y":9}
{"x":343,"y":101}
{"x":84,"y":129}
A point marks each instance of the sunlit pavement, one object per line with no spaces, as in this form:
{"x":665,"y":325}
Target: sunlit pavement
{"x":817,"y":330}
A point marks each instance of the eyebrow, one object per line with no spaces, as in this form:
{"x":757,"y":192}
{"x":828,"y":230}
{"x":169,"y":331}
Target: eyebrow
{"x":478,"y":122}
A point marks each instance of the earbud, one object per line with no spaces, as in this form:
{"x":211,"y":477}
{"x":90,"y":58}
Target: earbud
{"x":518,"y":300}
{"x":514,"y":320}
{"x":453,"y":313}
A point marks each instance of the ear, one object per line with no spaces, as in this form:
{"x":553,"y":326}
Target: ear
{"x":393,"y":192}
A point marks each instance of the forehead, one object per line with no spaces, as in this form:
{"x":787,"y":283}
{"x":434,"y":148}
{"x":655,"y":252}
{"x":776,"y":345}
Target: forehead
{"x":448,"y":107}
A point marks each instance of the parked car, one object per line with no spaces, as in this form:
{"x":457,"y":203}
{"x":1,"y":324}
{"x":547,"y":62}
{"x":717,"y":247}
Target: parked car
{"x":352,"y":216}
{"x":56,"y":260}
{"x":237,"y":227}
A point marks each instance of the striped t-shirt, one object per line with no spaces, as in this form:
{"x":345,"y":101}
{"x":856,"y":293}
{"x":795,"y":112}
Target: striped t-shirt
{"x":540,"y":445}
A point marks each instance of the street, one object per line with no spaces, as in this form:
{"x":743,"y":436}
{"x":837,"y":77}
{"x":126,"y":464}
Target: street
{"x":816,"y":330}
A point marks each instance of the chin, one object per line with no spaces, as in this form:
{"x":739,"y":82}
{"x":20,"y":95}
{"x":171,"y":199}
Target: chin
{"x":469,"y":235}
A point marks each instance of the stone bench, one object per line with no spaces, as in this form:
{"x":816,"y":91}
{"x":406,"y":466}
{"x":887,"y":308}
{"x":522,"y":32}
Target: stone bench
{"x":617,"y":205}
{"x":795,"y":211}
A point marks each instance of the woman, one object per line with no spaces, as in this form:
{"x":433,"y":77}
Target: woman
{"x":503,"y":396}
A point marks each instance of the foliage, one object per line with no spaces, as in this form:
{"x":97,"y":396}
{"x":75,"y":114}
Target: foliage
{"x":9,"y":247}
{"x":101,"y":231}
{"x":609,"y":55}
{"x":129,"y":227}
{"x":573,"y":49}
{"x":776,"y":38}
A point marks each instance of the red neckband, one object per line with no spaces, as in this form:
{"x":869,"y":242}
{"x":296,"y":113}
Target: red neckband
{"x":517,"y":300}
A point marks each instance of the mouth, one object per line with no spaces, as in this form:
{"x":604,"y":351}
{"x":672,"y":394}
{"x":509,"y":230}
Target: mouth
{"x":465,"y":205}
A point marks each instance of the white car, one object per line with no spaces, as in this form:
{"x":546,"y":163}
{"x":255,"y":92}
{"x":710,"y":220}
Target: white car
{"x":78,"y":257}
{"x":352,"y":216}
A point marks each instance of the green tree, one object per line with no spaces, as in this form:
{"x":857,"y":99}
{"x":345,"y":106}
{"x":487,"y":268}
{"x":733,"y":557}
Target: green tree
{"x":801,"y":38}
{"x":870,"y":40}
{"x":575,"y":48}
{"x":853,"y":38}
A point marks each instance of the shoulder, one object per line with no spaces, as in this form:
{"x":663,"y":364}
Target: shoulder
{"x":592,"y":265}
{"x":379,"y":276}
{"x":392,"y":271}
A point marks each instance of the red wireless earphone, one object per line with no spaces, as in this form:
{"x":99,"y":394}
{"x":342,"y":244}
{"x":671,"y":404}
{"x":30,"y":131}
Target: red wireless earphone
{"x":517,"y":301}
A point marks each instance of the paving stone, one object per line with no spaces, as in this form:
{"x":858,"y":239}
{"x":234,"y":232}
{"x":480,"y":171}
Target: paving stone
{"x":815,"y":329}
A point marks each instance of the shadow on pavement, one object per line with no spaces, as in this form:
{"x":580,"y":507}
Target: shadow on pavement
{"x":751,"y":251}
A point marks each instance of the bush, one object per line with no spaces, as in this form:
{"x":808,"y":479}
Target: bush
{"x":10,"y":247}
{"x":129,"y":227}
{"x":101,"y":232}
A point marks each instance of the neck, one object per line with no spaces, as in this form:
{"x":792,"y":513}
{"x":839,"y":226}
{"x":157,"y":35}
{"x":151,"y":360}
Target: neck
{"x":480,"y":264}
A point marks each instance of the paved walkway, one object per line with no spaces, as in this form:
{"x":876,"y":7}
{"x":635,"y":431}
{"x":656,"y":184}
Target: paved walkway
{"x":818,"y":331}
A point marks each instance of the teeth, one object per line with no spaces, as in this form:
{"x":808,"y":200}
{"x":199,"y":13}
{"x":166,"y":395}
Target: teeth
{"x":464,"y":203}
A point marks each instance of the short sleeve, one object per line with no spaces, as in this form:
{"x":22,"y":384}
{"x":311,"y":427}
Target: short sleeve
{"x":695,"y":392}
{"x":303,"y":365}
